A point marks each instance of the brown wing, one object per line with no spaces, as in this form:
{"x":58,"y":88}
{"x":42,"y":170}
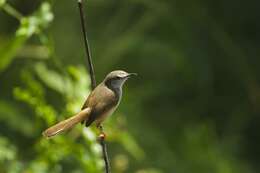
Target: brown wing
{"x":101,"y":100}
{"x":100,"y":94}
{"x":67,"y":124}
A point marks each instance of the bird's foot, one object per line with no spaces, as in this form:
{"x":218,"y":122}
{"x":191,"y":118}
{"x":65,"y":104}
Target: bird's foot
{"x":102,"y":136}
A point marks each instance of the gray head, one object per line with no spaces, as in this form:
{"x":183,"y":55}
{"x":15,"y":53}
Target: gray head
{"x":117,"y":78}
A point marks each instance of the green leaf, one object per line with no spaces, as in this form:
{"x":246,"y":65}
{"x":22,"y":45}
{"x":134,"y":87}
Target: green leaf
{"x":2,"y":2}
{"x":14,"y":118}
{"x":9,"y":51}
{"x":35,"y":23}
{"x":131,"y":146}
{"x":7,"y":150}
{"x":51,"y":78}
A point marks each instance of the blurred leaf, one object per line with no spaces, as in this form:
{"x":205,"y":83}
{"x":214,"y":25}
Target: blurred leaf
{"x":14,"y":118}
{"x":34,"y":96}
{"x":7,"y":150}
{"x":38,"y":166}
{"x":35,"y":23}
{"x":81,"y":82}
{"x":51,"y":78}
{"x":9,"y":51}
{"x":29,"y":26}
{"x":130,"y":145}
{"x":151,"y":170}
{"x":2,"y":2}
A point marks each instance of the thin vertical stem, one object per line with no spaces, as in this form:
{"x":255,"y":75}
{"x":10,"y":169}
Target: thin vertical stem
{"x":86,"y":44}
{"x":102,"y":137}
{"x":105,"y":155}
{"x":93,"y":84}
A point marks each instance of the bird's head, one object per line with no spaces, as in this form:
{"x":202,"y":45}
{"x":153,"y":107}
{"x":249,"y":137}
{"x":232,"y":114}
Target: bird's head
{"x":117,"y":78}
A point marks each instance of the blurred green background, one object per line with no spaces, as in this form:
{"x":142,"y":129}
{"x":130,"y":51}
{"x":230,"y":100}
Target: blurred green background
{"x":194,"y":107}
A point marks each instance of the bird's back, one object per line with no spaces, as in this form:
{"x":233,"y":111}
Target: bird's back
{"x":102,"y":102}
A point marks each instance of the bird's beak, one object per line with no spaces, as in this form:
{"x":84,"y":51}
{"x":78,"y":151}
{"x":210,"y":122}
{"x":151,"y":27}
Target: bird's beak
{"x":131,"y":74}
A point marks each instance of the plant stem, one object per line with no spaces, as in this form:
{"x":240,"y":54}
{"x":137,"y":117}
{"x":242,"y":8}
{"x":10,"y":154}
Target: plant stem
{"x":86,"y":43}
{"x":12,"y":11}
{"x":93,"y":84}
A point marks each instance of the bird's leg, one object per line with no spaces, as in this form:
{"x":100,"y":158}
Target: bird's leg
{"x":102,"y":135}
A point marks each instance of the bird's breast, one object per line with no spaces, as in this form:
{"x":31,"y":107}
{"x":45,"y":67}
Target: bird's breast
{"x":105,"y":114}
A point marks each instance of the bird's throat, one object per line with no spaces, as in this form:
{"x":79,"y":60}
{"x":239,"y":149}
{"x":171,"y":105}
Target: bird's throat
{"x":117,"y":89}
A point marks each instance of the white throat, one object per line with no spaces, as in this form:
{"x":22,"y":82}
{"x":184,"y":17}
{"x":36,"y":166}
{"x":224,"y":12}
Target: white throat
{"x":117,"y":84}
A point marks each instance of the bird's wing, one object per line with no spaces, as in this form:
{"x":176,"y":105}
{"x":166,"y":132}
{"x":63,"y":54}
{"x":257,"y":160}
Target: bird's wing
{"x":67,"y":124}
{"x":102,"y":102}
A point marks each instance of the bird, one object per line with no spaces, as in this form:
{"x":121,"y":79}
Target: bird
{"x":100,"y":104}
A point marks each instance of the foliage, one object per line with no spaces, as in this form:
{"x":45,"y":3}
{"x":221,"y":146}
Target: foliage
{"x":193,"y":108}
{"x":68,"y":153}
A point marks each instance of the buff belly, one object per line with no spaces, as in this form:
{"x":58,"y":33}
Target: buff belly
{"x":102,"y":117}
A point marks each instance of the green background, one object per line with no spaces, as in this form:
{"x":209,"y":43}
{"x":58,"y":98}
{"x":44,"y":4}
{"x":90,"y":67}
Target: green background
{"x":194,"y":107}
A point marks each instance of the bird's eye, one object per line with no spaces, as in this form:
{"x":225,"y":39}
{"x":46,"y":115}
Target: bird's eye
{"x":117,"y":77}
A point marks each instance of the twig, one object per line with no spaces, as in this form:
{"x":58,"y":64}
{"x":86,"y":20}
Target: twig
{"x":12,"y":11}
{"x":93,"y":84}
{"x":102,"y":138}
{"x":86,"y":43}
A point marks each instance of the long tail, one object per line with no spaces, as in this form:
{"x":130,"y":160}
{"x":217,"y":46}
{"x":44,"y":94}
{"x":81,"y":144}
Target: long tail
{"x":67,"y":124}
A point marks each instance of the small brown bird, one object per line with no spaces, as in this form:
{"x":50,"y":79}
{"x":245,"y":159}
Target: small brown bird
{"x":101,"y":102}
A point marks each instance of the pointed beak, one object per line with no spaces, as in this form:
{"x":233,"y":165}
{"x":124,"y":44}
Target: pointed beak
{"x":131,"y":74}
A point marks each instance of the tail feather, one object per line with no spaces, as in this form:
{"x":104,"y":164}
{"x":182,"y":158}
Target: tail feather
{"x":67,"y":124}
